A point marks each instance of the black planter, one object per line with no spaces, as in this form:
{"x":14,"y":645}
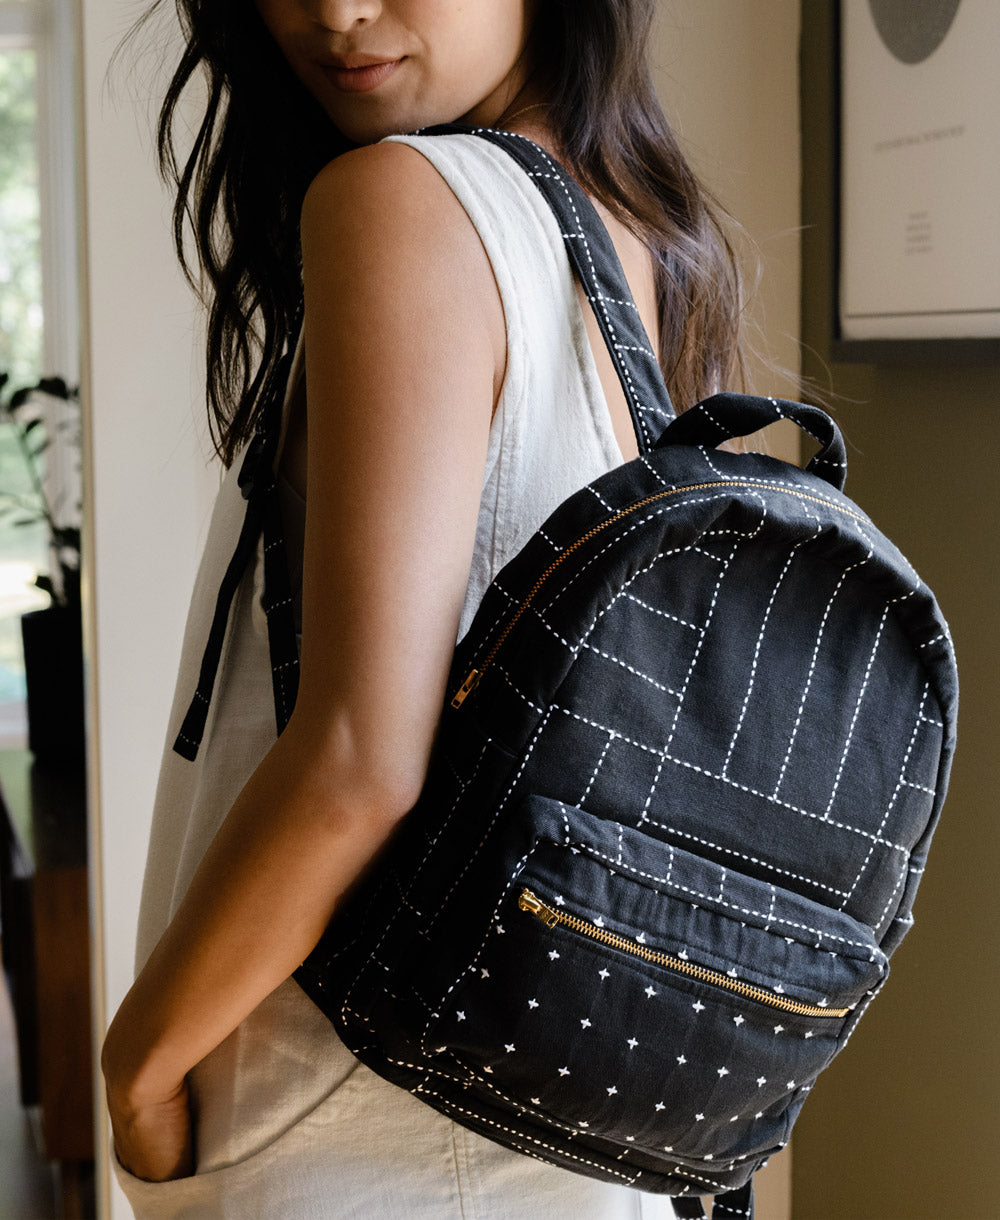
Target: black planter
{"x":53,"y":666}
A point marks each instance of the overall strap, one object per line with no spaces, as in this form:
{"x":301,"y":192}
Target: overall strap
{"x":259,"y":486}
{"x":595,"y":260}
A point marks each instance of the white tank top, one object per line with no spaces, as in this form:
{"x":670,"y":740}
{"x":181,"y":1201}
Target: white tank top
{"x":262,"y":1094}
{"x":551,"y":433}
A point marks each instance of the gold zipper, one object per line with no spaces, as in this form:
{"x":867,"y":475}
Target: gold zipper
{"x":474,"y":676}
{"x":527,"y":901}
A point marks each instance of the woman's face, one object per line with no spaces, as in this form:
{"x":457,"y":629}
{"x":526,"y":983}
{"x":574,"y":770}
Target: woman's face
{"x":384,"y":66}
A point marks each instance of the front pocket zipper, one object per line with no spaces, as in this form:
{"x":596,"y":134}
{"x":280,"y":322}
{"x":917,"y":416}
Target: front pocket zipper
{"x":473,"y":677}
{"x":527,"y":901}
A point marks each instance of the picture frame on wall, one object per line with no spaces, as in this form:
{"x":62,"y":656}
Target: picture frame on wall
{"x":919,"y":207}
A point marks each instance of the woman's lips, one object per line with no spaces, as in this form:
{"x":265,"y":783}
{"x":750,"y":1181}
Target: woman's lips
{"x":363,"y":78}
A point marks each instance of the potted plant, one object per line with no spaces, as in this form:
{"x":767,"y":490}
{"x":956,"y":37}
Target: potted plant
{"x":52,"y":637}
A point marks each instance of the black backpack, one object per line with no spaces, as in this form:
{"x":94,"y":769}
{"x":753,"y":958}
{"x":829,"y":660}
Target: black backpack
{"x":696,"y":740}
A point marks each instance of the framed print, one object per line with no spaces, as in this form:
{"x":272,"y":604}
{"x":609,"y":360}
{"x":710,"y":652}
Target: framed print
{"x":919,"y":240}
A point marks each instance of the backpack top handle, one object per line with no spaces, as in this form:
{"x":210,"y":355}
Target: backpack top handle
{"x":595,"y":260}
{"x":724,"y":416}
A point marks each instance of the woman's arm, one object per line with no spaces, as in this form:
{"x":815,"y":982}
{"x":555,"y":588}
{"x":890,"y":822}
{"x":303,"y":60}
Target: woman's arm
{"x":404,"y":356}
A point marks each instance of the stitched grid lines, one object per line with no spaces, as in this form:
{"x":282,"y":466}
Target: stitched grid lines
{"x":908,"y":783}
{"x":631,"y":347}
{"x":778,"y":484}
{"x":861,"y":695}
{"x":796,"y":419}
{"x":654,"y":407}
{"x":510,"y":598}
{"x":936,"y":640}
{"x":520,"y":1136}
{"x":858,"y":1013}
{"x":597,"y":767}
{"x":680,"y":695}
{"x":659,"y":510}
{"x":680,"y":762}
{"x":572,"y":649}
{"x":723,"y":779}
{"x":756,"y":860}
{"x":644,"y":815}
{"x":573,"y":1129}
{"x":895,"y":794}
{"x":554,"y":545}
{"x":473,"y":963}
{"x":624,"y":592}
{"x":882,"y":923}
{"x":770,"y":909}
{"x":599,"y":498}
{"x":760,"y":638}
{"x":701,"y":638}
{"x":390,"y":923}
{"x":655,"y":473}
{"x":812,"y":667}
{"x":414,"y":994}
{"x":501,"y":615}
{"x":629,"y":386}
{"x":496,"y":813}
{"x":600,"y":296}
{"x":491,"y":1086}
{"x":661,"y":613}
{"x":821,"y":934}
{"x":526,"y":699}
{"x":637,"y":673}
{"x":702,"y":409}
{"x":683,"y":1172}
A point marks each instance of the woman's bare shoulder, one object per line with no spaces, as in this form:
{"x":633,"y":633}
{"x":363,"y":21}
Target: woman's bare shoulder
{"x":382,"y":232}
{"x":391,"y":190}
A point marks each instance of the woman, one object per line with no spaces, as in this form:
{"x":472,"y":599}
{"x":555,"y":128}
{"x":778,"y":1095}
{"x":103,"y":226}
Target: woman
{"x":452,"y":392}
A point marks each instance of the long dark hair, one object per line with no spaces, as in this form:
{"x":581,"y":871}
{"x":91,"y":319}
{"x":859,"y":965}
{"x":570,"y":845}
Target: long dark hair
{"x":263,"y":138}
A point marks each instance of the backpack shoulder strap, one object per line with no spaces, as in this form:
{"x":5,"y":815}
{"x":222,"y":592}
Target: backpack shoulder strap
{"x":593,"y":257}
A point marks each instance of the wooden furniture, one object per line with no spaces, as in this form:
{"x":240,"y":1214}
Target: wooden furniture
{"x":46,"y":956}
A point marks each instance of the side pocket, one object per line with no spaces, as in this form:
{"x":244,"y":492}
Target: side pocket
{"x":632,"y":991}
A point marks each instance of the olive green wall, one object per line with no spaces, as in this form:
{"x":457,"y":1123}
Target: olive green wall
{"x":906,"y":1124}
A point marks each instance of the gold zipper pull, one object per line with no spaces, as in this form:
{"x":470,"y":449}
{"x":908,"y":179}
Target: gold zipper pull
{"x":527,"y":901}
{"x":466,"y":689}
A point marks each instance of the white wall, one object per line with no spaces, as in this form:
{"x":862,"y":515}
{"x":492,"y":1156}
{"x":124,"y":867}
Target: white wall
{"x":728,"y":72}
{"x":149,"y":482}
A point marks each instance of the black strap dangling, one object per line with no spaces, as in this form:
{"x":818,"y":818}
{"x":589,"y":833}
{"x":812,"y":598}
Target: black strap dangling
{"x":263,"y":513}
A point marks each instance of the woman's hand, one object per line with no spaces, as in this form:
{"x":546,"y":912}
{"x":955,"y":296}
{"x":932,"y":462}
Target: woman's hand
{"x":153,"y":1137}
{"x":150,"y":1119}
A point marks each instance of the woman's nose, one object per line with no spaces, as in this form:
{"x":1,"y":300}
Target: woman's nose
{"x":342,"y":15}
